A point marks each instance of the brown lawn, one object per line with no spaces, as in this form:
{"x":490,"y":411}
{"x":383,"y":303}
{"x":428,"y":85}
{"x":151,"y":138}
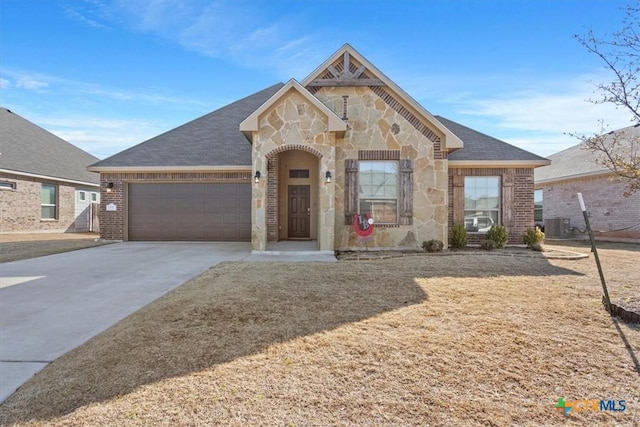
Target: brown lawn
{"x":457,"y":339}
{"x":14,"y":247}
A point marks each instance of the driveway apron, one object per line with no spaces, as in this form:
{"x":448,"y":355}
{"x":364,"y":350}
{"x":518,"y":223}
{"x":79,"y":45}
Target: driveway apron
{"x":53,"y":304}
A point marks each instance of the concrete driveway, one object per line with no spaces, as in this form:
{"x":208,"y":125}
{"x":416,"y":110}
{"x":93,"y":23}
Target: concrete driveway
{"x":52,"y":304}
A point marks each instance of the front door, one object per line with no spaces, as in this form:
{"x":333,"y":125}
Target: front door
{"x":299,"y":212}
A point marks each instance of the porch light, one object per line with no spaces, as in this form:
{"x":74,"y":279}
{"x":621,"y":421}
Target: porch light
{"x":110,"y":187}
{"x":327,"y":177}
{"x":256,"y":177}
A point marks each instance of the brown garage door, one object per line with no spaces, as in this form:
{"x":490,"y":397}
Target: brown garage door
{"x":192,"y":211}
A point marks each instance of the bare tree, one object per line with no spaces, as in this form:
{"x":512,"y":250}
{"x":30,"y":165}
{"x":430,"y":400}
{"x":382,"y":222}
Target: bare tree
{"x":619,"y":151}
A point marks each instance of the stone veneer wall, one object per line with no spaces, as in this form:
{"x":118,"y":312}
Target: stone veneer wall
{"x":113,"y":223}
{"x":611,"y":213}
{"x":516,"y":201}
{"x":378,"y":124}
{"x":20,"y":208}
{"x":292,"y":123}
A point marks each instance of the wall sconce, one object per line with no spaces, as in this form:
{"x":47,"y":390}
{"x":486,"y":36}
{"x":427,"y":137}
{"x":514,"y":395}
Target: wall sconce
{"x":110,"y":187}
{"x":256,"y":177}
{"x":327,"y":177}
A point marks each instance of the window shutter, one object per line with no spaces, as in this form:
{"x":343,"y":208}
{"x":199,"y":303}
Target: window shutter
{"x":406,"y":192}
{"x":350,"y":190}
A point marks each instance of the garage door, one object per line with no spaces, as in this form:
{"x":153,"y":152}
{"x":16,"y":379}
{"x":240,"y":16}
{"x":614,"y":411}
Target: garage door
{"x":192,"y":211}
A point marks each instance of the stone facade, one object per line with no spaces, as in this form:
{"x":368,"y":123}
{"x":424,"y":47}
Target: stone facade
{"x":375,"y":125}
{"x":292,"y":123}
{"x":611,"y":214}
{"x":20,"y":208}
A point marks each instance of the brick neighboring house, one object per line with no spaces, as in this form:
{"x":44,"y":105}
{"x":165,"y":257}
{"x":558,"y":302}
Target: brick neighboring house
{"x":300,"y":160}
{"x":44,"y":183}
{"x":575,"y":170}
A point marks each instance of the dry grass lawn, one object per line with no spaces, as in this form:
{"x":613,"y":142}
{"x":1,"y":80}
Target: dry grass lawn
{"x":458,"y":339}
{"x":14,"y":247}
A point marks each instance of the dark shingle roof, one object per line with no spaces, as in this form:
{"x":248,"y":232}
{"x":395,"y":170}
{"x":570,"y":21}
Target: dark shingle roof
{"x":27,"y":148}
{"x":211,"y":140}
{"x":478,"y":146}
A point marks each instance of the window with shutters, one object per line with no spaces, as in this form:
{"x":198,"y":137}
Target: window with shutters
{"x":381,"y":184}
{"x":378,"y":190}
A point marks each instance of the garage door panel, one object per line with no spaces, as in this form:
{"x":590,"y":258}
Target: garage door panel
{"x":190,"y":211}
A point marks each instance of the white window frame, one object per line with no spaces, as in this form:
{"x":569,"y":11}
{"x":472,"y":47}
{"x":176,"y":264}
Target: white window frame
{"x":55,"y":205}
{"x":8,"y":185}
{"x":541,"y":208}
{"x":479,"y":219}
{"x":364,"y":163}
{"x":82,"y":196}
{"x":94,"y":197}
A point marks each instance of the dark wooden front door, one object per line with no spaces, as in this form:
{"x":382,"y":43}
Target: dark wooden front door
{"x":299,"y":211}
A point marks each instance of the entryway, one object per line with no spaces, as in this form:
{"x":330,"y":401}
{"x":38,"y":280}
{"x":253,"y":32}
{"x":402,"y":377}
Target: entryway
{"x":299,"y":217}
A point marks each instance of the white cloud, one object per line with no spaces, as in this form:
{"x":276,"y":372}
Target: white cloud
{"x":98,"y":136}
{"x":4,"y":83}
{"x":30,"y":83}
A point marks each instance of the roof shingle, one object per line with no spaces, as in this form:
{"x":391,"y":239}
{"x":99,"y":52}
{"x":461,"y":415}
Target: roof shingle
{"x":211,"y":140}
{"x":28,"y":148}
{"x":481,"y":147}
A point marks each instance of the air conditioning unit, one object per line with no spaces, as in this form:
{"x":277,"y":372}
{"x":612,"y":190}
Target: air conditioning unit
{"x":557,"y":228}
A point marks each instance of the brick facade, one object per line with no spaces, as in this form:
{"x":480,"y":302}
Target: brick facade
{"x":113,"y":223}
{"x":516,"y":200}
{"x":20,"y":208}
{"x":611,"y":214}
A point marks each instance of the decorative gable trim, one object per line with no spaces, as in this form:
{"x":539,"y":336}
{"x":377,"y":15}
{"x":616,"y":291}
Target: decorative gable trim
{"x":250,"y":124}
{"x":344,"y":64}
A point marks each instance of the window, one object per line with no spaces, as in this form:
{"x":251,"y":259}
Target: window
{"x":378,"y":190}
{"x":48,"y":202}
{"x":7,"y":185}
{"x":299,"y":173}
{"x":94,"y":197}
{"x":82,"y":196}
{"x":481,"y":202}
{"x":537,"y":206}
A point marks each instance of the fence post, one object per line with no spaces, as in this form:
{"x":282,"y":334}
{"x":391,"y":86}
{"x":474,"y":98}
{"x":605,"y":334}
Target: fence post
{"x":607,"y":301}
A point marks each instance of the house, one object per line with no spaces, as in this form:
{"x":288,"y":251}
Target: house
{"x":576,"y":170}
{"x":44,"y":182}
{"x":301,"y":160}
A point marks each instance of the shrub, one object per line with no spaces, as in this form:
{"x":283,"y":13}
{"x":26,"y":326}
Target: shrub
{"x":536,"y":247}
{"x":498,"y":234}
{"x":489,"y":245}
{"x":458,"y":236}
{"x":433,"y":245}
{"x":533,"y":236}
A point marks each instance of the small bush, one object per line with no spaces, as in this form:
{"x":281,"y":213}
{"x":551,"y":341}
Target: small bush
{"x":533,"y":236}
{"x":489,"y":245}
{"x":458,"y":236}
{"x":498,"y":234}
{"x":433,"y":245}
{"x":536,"y":247}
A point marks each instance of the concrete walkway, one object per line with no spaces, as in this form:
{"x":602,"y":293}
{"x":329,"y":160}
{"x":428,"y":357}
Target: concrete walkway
{"x":51,"y":305}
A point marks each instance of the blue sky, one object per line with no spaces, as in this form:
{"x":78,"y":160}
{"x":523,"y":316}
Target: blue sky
{"x":108,"y":74}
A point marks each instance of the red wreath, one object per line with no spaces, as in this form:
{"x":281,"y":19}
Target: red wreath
{"x":363,"y":224}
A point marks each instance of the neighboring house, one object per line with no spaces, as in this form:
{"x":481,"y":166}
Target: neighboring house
{"x":575,"y":170}
{"x":299,"y":160}
{"x":44,"y":182}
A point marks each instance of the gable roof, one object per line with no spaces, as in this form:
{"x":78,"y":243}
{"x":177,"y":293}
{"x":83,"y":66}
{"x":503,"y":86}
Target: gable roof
{"x":451,"y":141}
{"x":335,"y":123}
{"x":213,"y":140}
{"x":481,"y":149}
{"x":28,"y":149}
{"x":577,"y":162}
